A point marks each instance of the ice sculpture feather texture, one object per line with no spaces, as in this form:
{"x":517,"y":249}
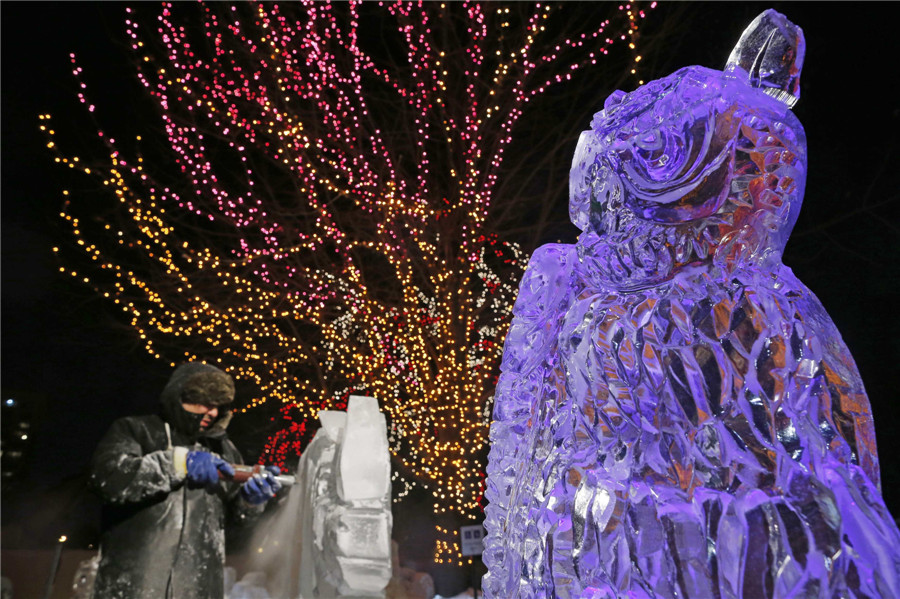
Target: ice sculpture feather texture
{"x":677,"y":415}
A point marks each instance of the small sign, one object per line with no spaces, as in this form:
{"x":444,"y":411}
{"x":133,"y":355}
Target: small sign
{"x":472,"y":538}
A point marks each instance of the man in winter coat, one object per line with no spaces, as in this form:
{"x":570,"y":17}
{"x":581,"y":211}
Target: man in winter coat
{"x":165,"y":508}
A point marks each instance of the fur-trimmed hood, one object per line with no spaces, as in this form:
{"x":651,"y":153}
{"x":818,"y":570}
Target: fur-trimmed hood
{"x":195,"y":382}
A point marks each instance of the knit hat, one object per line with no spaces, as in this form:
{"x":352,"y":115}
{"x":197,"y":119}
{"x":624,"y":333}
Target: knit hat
{"x":195,"y":382}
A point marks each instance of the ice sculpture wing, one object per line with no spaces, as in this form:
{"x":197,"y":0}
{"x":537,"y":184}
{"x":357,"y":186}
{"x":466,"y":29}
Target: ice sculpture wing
{"x":528,"y":391}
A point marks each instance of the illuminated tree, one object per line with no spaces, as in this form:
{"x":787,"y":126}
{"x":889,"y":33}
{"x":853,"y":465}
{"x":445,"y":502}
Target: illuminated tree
{"x":331,"y":217}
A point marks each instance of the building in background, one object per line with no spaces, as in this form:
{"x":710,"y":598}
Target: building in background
{"x":19,"y":411}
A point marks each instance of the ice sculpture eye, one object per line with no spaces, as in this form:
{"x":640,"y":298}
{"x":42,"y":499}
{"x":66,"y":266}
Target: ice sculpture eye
{"x":679,"y":170}
{"x":659,"y":153}
{"x":670,"y":144}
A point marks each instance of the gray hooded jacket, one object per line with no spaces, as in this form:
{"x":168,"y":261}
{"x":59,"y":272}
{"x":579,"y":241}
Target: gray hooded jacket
{"x":163,"y":537}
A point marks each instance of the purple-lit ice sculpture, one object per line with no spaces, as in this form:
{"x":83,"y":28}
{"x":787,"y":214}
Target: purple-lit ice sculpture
{"x":677,"y":414}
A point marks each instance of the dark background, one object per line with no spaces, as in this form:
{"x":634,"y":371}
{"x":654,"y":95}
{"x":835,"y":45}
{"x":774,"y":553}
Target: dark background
{"x":73,"y":366}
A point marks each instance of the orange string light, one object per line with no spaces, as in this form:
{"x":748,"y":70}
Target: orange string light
{"x":300,"y":159}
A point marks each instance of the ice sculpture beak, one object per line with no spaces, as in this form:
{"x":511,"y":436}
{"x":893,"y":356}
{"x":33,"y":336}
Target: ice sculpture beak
{"x":769,"y":56}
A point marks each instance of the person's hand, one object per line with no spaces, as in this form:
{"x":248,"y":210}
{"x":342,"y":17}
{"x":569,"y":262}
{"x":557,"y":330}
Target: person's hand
{"x":262,"y":486}
{"x":203,"y":468}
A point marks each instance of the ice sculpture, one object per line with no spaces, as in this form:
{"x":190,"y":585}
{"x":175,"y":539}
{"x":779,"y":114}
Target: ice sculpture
{"x":677,"y":415}
{"x":345,"y":478}
{"x":332,"y":538}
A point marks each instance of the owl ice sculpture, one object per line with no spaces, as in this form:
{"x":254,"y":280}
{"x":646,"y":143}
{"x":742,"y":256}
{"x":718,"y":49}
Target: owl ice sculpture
{"x":677,"y":415}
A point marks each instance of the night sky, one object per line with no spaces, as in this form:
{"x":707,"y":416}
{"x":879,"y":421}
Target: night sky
{"x":73,"y":361}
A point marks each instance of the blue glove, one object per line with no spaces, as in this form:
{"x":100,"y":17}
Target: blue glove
{"x":262,"y":487}
{"x":203,"y":468}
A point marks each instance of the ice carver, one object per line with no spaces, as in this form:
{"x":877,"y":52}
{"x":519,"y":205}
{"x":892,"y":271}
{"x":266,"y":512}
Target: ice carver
{"x":677,"y":415}
{"x":165,"y":508}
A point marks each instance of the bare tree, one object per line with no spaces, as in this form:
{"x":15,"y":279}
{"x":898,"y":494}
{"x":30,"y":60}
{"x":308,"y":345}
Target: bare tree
{"x":334,"y":210}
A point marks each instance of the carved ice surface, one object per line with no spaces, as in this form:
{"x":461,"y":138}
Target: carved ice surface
{"x":771,"y":52}
{"x":345,"y":508}
{"x":677,"y":415}
{"x":332,"y":537}
{"x":364,"y":459}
